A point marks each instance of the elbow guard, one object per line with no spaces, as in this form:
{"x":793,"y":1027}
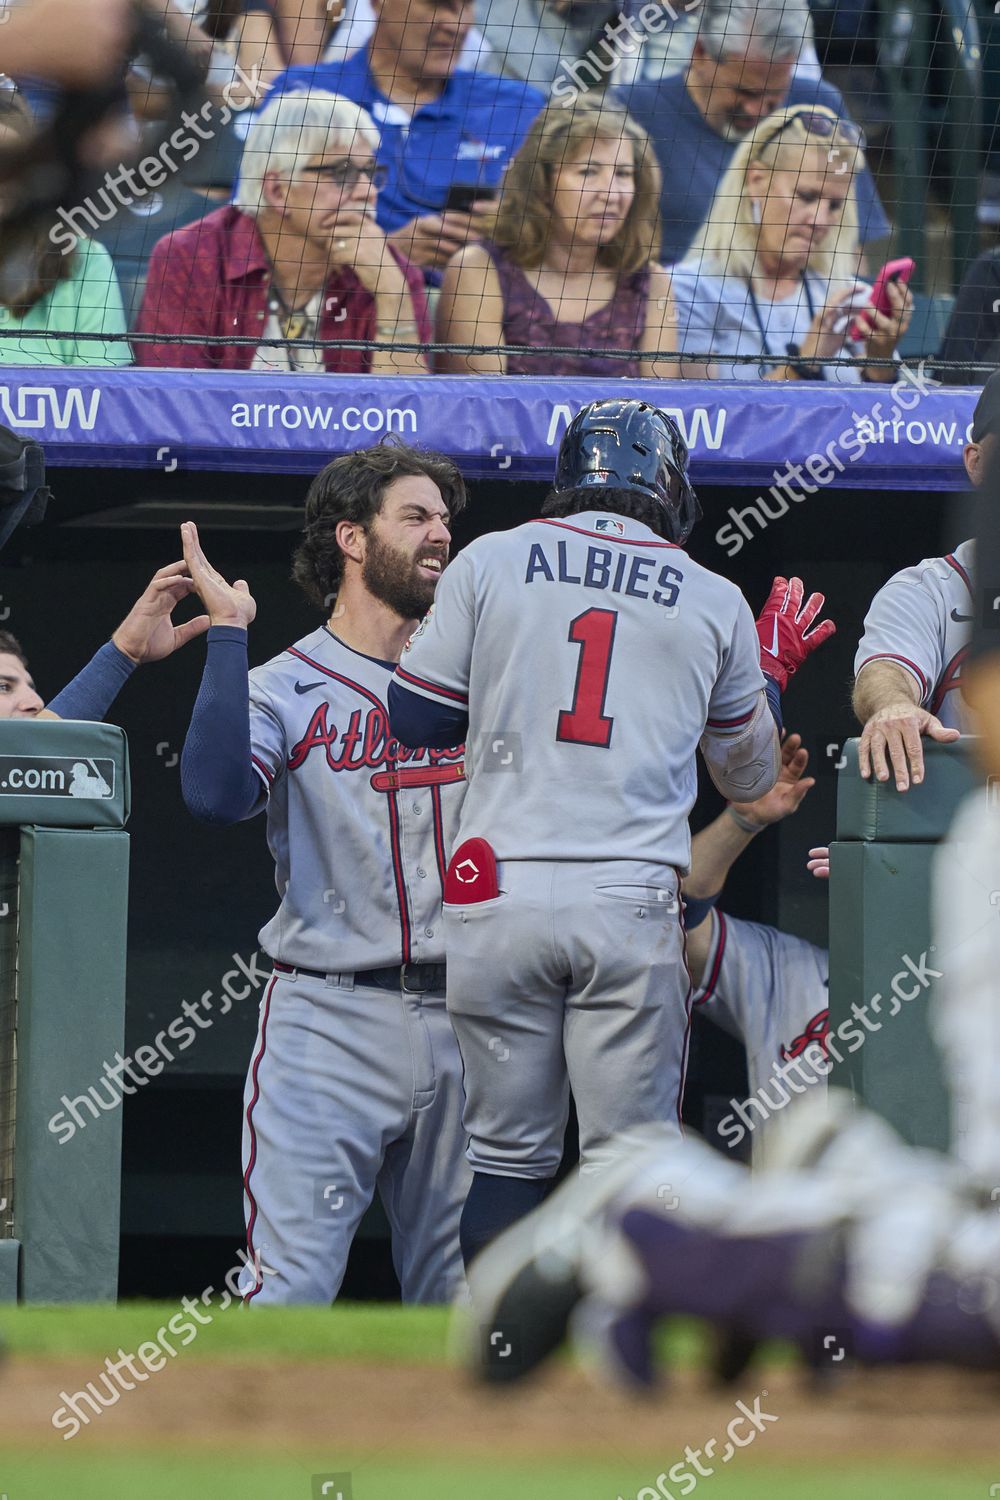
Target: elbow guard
{"x":745,"y":765}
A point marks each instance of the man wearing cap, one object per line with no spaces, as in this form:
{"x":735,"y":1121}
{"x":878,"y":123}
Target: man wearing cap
{"x":909,"y":663}
{"x":585,"y":658}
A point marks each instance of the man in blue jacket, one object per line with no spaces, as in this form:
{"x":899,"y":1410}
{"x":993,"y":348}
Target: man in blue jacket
{"x":741,"y":69}
{"x":447,"y":133}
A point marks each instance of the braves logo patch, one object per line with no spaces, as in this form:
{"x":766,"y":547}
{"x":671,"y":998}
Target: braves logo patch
{"x":609,"y":523}
{"x":816,"y":1031}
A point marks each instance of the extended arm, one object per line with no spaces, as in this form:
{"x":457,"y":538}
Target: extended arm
{"x":887,"y":702}
{"x":218,"y":781}
{"x":147,"y":634}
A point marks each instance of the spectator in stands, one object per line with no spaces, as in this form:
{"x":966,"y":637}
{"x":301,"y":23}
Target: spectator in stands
{"x":741,"y":70}
{"x":773,"y":270}
{"x":573,"y":260}
{"x":261,"y":38}
{"x":541,"y":40}
{"x":299,"y":257}
{"x":70,"y":293}
{"x":447,"y":134}
{"x":661,"y":44}
{"x":973,"y":331}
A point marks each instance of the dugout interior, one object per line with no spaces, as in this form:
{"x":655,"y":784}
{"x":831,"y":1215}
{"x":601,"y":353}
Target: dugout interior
{"x":198,"y":896}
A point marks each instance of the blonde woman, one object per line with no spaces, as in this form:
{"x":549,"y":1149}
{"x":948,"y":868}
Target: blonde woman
{"x":773,"y":269}
{"x":572,"y":262}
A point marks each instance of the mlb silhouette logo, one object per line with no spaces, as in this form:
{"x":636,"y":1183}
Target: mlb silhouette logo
{"x":608,"y":523}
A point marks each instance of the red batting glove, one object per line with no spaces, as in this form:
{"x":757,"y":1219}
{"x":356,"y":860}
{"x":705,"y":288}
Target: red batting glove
{"x":783,"y":629}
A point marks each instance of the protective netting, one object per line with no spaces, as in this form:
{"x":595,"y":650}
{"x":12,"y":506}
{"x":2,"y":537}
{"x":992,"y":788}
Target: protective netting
{"x":552,"y":187}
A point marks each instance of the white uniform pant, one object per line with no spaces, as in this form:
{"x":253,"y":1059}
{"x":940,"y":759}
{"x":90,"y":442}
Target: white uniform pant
{"x":572,"y":978}
{"x":351,"y":1090}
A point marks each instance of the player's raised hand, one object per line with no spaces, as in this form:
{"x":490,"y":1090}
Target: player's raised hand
{"x":783,"y":629}
{"x":148,"y":632}
{"x":227,"y":603}
{"x":895,"y":731}
{"x":788,"y":791}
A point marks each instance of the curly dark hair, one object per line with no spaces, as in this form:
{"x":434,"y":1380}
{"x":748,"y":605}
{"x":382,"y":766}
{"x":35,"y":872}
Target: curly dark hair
{"x":620,"y":502}
{"x":352,"y":488}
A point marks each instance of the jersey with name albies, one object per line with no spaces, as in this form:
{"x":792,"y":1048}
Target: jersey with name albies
{"x":591,"y":656}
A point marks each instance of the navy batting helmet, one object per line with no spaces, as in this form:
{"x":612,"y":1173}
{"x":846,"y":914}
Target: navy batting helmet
{"x":633,"y":446}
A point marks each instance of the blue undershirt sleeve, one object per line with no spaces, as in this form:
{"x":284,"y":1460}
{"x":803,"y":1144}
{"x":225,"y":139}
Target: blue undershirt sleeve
{"x":416,"y":721}
{"x":218,"y":781}
{"x":92,"y":691}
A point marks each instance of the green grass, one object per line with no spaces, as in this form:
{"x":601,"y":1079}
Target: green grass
{"x":348,"y":1331}
{"x":168,"y":1475}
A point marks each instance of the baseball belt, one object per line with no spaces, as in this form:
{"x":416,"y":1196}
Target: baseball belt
{"x":412,"y":979}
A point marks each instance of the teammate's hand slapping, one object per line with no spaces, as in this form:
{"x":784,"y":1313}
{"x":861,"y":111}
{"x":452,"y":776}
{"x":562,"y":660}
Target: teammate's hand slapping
{"x":786,"y":795}
{"x":148,"y":632}
{"x":227,"y":603}
{"x":783,"y":629}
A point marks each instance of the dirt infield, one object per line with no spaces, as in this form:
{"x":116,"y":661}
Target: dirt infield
{"x":377,"y":1409}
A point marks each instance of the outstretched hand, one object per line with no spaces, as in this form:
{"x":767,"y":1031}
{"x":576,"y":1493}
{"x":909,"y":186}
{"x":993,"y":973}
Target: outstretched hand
{"x":788,"y":791}
{"x":148,"y":632}
{"x":783,"y":629}
{"x":227,"y":604}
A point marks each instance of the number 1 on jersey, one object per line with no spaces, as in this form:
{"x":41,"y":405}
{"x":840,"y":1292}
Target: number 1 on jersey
{"x":585,"y":723}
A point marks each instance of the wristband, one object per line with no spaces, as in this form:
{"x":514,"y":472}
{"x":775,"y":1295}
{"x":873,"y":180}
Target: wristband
{"x":743,"y":823}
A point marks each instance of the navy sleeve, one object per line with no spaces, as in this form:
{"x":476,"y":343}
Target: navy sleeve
{"x":773,"y":694}
{"x":218,"y":781}
{"x":92,"y":691}
{"x":696,"y":910}
{"x":416,"y":721}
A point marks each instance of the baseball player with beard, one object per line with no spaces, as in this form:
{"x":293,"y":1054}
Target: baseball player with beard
{"x":589,"y":658}
{"x":355,"y":1080}
{"x":909,"y":662}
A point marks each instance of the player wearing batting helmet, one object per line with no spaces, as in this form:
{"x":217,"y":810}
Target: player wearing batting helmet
{"x":587,"y":657}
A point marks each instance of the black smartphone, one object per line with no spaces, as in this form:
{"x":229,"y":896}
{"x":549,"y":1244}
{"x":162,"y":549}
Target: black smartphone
{"x":462,"y":195}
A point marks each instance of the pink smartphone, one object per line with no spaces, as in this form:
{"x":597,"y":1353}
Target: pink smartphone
{"x":893,"y":270}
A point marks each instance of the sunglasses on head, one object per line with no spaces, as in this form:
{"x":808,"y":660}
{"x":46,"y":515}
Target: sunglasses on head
{"x":823,"y":127}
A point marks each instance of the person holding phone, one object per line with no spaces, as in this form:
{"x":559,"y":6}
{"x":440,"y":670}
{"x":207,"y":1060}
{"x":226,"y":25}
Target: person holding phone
{"x":773,"y":270}
{"x":572,"y":263}
{"x":441,"y":124}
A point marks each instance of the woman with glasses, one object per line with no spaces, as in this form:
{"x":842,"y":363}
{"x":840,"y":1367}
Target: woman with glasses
{"x":572,"y":263}
{"x":773,"y":271}
{"x":298,"y":260}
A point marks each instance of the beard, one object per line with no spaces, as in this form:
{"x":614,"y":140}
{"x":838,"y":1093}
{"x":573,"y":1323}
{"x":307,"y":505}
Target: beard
{"x":392,"y":577}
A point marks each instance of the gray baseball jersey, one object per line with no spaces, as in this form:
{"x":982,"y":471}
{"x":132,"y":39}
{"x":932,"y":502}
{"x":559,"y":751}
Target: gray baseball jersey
{"x":358,"y":826}
{"x":921,"y":619}
{"x":353,"y":1085}
{"x":599,"y":655}
{"x":771,"y":991}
